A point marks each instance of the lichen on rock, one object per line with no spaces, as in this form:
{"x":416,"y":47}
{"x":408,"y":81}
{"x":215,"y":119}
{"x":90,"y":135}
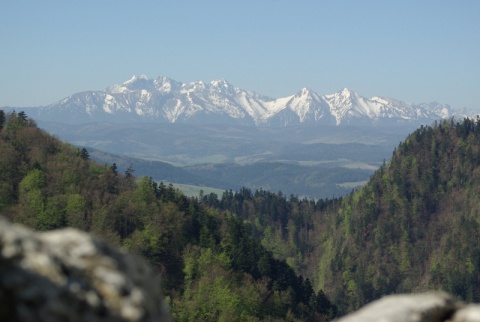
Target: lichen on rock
{"x":67,"y":275}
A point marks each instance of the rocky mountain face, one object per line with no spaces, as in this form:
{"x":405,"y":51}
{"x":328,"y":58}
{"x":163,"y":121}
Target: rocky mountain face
{"x":66,"y":275}
{"x":166,"y":100}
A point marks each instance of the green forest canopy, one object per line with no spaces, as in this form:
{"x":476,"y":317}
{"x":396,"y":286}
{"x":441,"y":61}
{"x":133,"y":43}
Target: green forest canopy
{"x":259,"y":255}
{"x":212,"y":268}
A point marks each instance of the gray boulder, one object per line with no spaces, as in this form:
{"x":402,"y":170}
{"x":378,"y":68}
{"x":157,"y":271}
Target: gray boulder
{"x":426,"y":307}
{"x":470,"y":313}
{"x":67,"y":275}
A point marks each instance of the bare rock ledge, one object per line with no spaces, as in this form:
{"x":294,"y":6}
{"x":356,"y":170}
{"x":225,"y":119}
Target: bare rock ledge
{"x":422,"y":307}
{"x":67,"y":275}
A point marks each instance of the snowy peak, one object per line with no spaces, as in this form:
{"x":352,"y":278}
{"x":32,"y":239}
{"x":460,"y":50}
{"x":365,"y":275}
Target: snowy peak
{"x":308,"y":105}
{"x":305,"y":92}
{"x":305,"y":96}
{"x":140,"y":82}
{"x":197,"y":86}
{"x":308,"y":96}
{"x":135,"y":83}
{"x":221,"y":83}
{"x":166,"y":85}
{"x":346,"y":104}
{"x":222,"y":86}
{"x":344,"y":95}
{"x":166,"y":100}
{"x":443,"y":110}
{"x":136,"y":78}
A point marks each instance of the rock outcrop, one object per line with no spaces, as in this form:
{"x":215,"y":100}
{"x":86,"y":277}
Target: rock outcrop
{"x":67,"y":275}
{"x":424,"y":307}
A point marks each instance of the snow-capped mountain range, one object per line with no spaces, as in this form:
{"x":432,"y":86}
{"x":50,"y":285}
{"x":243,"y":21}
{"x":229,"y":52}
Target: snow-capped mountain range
{"x":166,"y":100}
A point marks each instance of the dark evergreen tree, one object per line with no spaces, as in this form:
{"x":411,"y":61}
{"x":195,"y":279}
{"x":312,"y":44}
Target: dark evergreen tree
{"x":129,"y":172}
{"x":84,"y":154}
{"x":22,"y":117}
{"x":114,"y":168}
{"x":2,"y":119}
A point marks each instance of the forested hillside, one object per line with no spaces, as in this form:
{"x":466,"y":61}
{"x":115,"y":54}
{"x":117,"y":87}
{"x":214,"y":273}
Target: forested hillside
{"x":212,"y":268}
{"x":413,"y":227}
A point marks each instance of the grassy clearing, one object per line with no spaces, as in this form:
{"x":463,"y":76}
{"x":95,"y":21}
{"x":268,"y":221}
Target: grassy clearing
{"x":194,"y":191}
{"x":317,"y":163}
{"x":215,"y":158}
{"x":352,"y":185}
{"x":361,"y":165}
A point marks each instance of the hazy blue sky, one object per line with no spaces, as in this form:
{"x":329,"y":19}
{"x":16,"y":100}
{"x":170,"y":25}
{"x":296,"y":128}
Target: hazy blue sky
{"x":416,"y":51}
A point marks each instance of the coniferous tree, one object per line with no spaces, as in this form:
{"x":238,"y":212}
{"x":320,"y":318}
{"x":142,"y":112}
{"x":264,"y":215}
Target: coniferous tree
{"x":2,"y":119}
{"x":84,"y":154}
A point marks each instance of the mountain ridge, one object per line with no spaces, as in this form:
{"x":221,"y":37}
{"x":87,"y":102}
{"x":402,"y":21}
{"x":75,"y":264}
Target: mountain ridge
{"x":166,"y":100}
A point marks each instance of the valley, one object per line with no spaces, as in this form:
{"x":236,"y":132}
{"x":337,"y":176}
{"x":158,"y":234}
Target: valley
{"x":291,"y":160}
{"x":214,"y":134}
